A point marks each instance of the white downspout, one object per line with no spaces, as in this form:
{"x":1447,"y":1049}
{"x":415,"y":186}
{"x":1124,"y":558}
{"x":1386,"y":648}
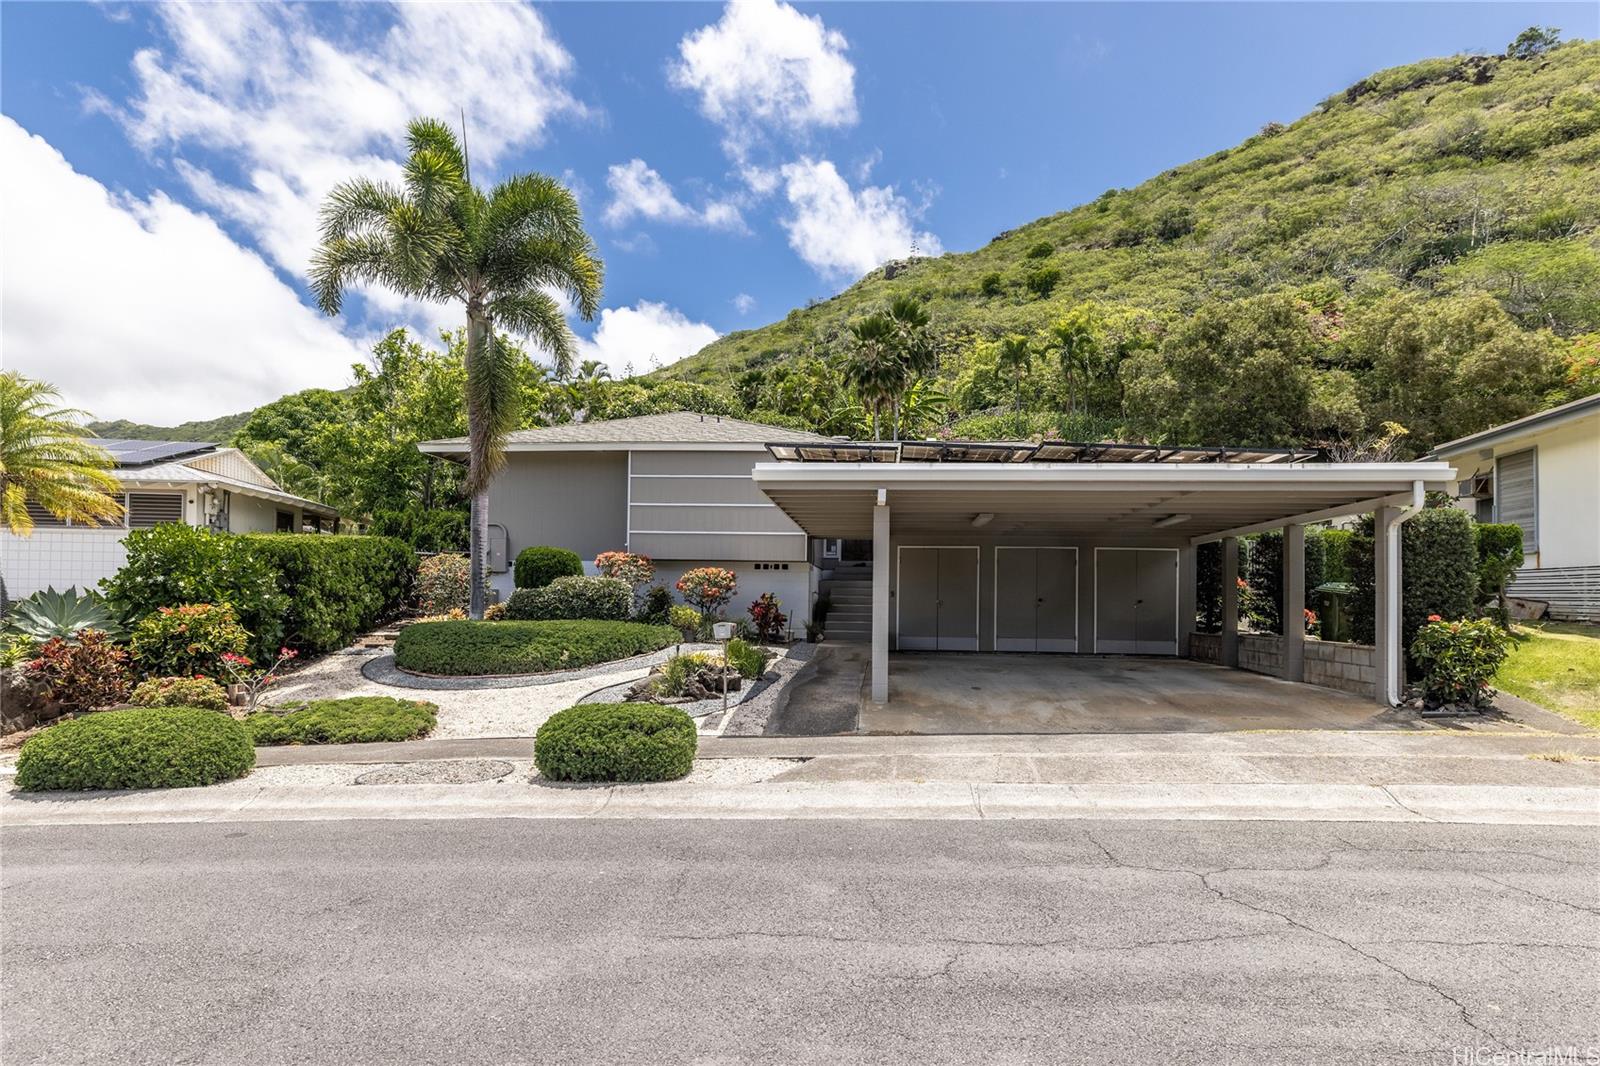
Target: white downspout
{"x":1394,"y":655}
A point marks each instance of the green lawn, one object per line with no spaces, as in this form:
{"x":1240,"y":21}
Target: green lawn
{"x":1556,"y":665}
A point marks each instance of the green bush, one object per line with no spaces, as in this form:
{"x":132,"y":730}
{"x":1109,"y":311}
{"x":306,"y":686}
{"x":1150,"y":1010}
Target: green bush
{"x":1439,"y":572}
{"x":1208,"y":587}
{"x":604,"y":598}
{"x":656,"y":609}
{"x":468,"y":649}
{"x":83,"y":674}
{"x":616,"y":742}
{"x":357,"y":720}
{"x":1499,"y":557}
{"x":443,"y":584}
{"x":201,"y":692}
{"x":337,"y":587}
{"x":313,"y":592}
{"x":1459,"y":659}
{"x":1262,"y":569}
{"x":188,"y":639}
{"x":538,"y":566}
{"x":686,"y":620}
{"x":1336,"y":555}
{"x":746,"y":658}
{"x":146,"y":747}
{"x":675,"y":675}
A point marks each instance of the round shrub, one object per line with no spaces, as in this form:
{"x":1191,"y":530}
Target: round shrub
{"x":615,"y":742}
{"x":605,"y":598}
{"x":443,"y":584}
{"x":188,"y":639}
{"x":477,"y":649}
{"x":538,"y":566}
{"x":357,"y":720}
{"x":199,"y":692}
{"x":685,"y":620}
{"x":1459,"y":659}
{"x":145,"y":747}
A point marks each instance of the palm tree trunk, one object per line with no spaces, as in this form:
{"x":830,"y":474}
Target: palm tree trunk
{"x":896,"y":437}
{"x":478,"y":554}
{"x":477,"y":460}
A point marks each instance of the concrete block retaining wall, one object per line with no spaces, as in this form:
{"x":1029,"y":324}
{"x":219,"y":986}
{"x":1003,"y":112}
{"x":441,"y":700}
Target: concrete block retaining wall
{"x":1347,"y":667}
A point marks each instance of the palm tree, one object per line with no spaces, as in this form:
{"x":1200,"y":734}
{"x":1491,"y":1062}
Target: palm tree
{"x":1015,"y":355}
{"x":874,"y":368}
{"x":45,"y":460}
{"x":1076,"y":338}
{"x":502,"y":253}
{"x":911,"y":345}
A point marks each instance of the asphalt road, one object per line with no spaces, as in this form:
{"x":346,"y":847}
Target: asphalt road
{"x":804,"y":941}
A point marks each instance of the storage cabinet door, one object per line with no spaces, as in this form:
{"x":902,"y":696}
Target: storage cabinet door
{"x":958,"y":599}
{"x":1015,"y":596}
{"x":917,"y":600}
{"x":1056,"y":600}
{"x":1158,"y":602}
{"x":1116,"y":591}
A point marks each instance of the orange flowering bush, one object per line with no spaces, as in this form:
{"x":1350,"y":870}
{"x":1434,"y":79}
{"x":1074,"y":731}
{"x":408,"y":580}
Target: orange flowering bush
{"x":187,"y":640}
{"x":708,"y":588}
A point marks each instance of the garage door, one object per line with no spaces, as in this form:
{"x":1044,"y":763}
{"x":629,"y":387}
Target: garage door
{"x":936,"y":599}
{"x":1136,"y":601}
{"x":1036,"y":599}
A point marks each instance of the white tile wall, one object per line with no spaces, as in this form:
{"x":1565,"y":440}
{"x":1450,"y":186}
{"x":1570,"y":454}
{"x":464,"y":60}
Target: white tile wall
{"x":59,"y":558}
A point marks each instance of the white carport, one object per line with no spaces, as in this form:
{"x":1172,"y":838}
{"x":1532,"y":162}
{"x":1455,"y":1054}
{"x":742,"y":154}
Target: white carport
{"x":1130,"y":519}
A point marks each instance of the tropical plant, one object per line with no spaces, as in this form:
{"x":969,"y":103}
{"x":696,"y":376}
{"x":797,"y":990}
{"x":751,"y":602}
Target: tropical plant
{"x":48,"y":613}
{"x":708,"y":588}
{"x":912,"y":346}
{"x":88,"y":673}
{"x":768,"y":619}
{"x":500,"y":253}
{"x":686,"y":620}
{"x":180,"y":692}
{"x":188,"y":640}
{"x":243,"y":671}
{"x":46,"y":460}
{"x":874,"y":369}
{"x":443,"y":584}
{"x":1014,"y":355}
{"x":629,"y":567}
{"x":1459,"y":659}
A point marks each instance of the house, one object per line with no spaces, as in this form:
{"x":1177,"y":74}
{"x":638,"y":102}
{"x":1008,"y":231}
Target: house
{"x":675,"y":487}
{"x":1054,"y":548}
{"x":192,"y":482}
{"x":1541,"y":472}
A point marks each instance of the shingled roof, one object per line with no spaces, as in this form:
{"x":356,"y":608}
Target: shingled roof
{"x":677,"y":427}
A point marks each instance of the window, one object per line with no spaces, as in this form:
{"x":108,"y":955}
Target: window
{"x":285,"y":522}
{"x":1516,"y":495}
{"x":146,"y":509}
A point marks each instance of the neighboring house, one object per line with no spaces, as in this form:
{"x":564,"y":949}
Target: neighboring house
{"x":195,"y":483}
{"x":1541,"y":472}
{"x":960,"y":546}
{"x":675,"y":487}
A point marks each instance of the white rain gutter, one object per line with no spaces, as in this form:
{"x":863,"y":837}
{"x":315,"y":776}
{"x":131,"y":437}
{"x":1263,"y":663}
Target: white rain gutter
{"x":1391,"y":536}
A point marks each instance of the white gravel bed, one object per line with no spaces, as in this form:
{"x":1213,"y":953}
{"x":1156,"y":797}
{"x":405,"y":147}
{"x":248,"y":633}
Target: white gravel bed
{"x":749,"y":719}
{"x":737,"y":771}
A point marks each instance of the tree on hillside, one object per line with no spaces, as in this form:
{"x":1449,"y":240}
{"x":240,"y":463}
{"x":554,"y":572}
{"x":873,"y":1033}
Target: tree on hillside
{"x":1533,"y":42}
{"x":874,"y":368}
{"x":499,"y":252}
{"x":1014,"y":356}
{"x":1076,"y":336}
{"x":912,"y":344}
{"x":46,"y":460}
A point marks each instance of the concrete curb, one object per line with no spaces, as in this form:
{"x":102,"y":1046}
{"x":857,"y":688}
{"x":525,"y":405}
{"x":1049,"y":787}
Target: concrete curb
{"x":852,"y":800}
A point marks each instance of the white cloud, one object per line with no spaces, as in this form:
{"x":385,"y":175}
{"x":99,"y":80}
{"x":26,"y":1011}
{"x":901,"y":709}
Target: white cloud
{"x":301,"y":111}
{"x":765,"y":66}
{"x":744,"y":303}
{"x":644,"y":336}
{"x":145,"y":309}
{"x":843,"y":233}
{"x":639,"y":191}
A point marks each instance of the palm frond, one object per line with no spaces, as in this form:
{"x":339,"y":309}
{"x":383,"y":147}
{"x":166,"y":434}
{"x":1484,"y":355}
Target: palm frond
{"x":46,"y":460}
{"x":536,"y":314}
{"x":493,"y":406}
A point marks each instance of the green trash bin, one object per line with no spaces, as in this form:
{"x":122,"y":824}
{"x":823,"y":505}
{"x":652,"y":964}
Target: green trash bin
{"x":1335,"y":612}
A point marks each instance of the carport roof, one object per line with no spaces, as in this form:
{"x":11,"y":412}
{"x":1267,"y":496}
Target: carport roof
{"x":1148,"y":502}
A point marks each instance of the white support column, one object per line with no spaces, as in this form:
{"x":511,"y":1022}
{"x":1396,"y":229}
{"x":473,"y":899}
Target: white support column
{"x":1186,"y":598}
{"x":880,"y":599}
{"x":1230,"y":601}
{"x":1386,"y":608}
{"x":1294,"y":603}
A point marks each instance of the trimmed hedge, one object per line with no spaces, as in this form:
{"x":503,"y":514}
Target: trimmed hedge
{"x":358,"y":720}
{"x":312,"y":592}
{"x":472,"y":649}
{"x":572,"y":597}
{"x":1262,"y":570}
{"x":616,"y":742}
{"x":145,"y":747}
{"x":1439,"y":573}
{"x":536,"y":567}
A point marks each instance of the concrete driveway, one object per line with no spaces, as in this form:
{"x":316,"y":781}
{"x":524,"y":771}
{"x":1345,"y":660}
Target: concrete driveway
{"x":999,"y":693}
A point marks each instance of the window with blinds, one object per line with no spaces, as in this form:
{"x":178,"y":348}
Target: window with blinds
{"x":1516,"y":495}
{"x":147,"y":509}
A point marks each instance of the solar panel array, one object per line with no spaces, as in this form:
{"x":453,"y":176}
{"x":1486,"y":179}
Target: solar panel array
{"x":127,"y":453}
{"x":934,"y":451}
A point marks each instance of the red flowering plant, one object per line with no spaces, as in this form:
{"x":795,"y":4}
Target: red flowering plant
{"x":242,"y":671}
{"x":708,"y":588}
{"x":767,"y":618}
{"x":86,"y":672}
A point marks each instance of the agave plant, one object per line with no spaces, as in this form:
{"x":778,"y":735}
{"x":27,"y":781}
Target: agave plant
{"x":62,"y":614}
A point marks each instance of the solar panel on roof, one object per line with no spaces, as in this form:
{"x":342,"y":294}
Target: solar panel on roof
{"x":145,"y":452}
{"x":937,"y":451}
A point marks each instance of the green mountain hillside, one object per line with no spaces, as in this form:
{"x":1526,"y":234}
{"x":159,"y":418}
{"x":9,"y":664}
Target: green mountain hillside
{"x":220,"y":430}
{"x":1442,"y":192}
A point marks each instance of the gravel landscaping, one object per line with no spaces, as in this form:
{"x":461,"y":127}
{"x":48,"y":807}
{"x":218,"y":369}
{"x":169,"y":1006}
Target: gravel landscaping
{"x":485,"y":771}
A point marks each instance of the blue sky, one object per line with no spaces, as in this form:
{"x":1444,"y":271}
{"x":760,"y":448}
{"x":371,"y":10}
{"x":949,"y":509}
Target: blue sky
{"x":165,"y":162}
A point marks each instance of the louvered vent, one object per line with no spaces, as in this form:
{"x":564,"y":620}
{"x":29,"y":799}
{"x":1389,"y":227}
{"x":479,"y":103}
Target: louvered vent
{"x":43,"y":519}
{"x":152,"y":508}
{"x":1517,"y":495}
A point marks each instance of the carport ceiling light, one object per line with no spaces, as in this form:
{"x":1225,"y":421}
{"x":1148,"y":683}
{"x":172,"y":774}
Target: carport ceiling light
{"x":982,"y":519}
{"x":1172,"y":520}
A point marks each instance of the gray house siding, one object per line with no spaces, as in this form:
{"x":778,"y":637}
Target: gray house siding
{"x":576,"y":500}
{"x":704,"y":505}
